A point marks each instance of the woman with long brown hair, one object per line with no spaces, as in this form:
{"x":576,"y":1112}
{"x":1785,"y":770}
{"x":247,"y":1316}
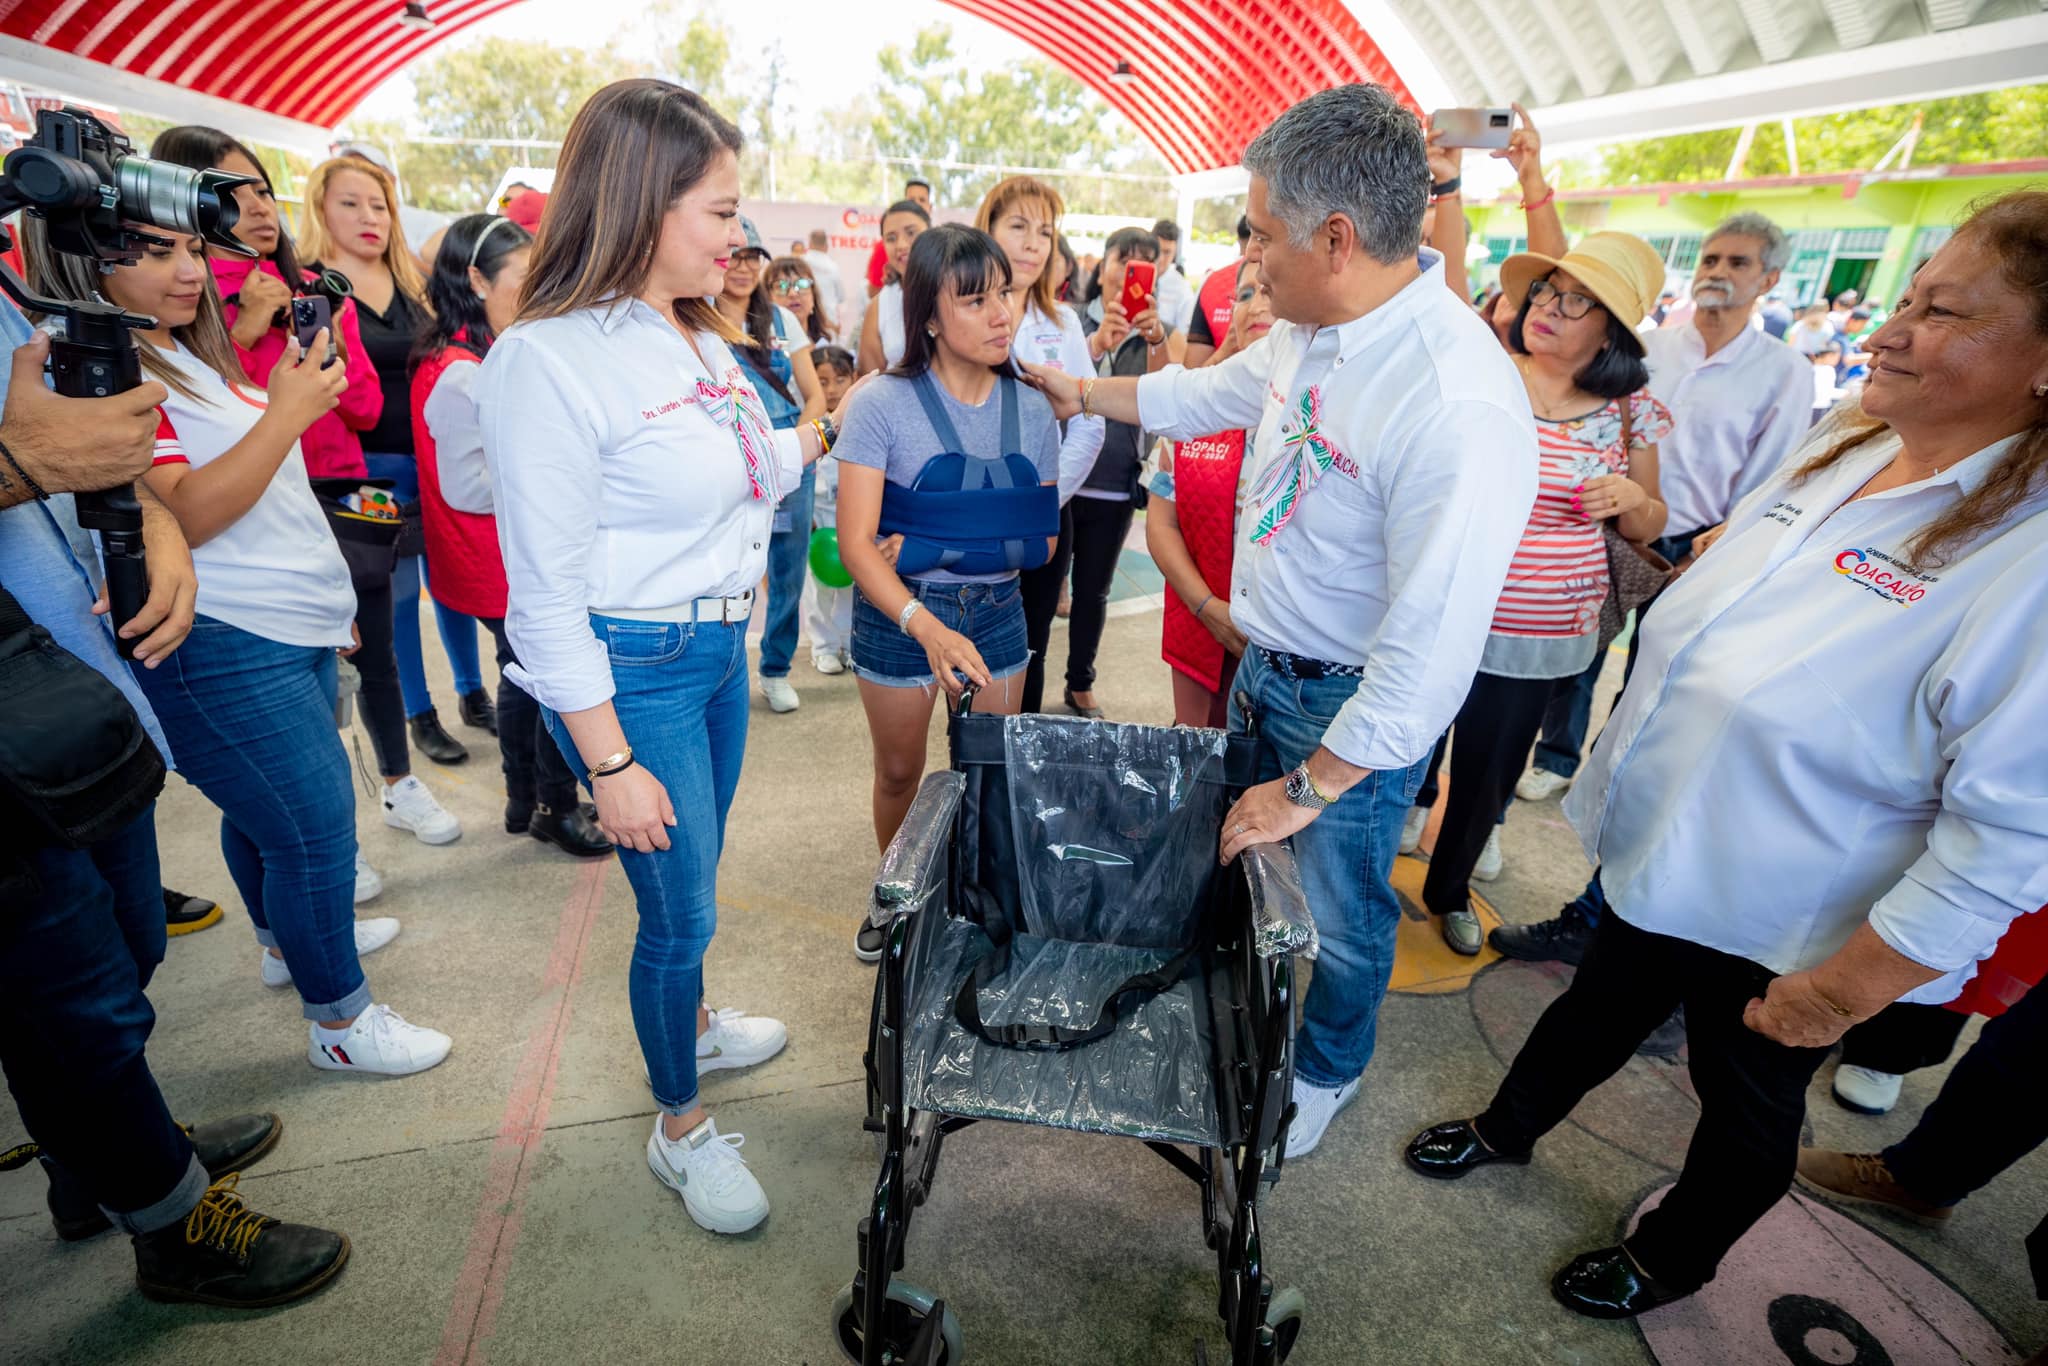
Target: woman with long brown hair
{"x":630,"y":588}
{"x":1830,"y":799}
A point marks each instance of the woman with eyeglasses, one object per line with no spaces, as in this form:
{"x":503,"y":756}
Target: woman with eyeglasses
{"x":792,"y":286}
{"x":1597,"y":429}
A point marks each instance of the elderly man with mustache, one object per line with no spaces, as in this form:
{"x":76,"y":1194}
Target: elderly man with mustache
{"x":1740,"y":400}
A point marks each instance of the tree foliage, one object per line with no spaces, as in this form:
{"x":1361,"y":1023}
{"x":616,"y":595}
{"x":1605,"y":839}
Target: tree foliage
{"x":1997,"y":125}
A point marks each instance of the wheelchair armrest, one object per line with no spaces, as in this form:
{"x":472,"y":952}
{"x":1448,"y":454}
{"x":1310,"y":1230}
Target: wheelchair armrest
{"x":1281,"y":923}
{"x":913,"y":864}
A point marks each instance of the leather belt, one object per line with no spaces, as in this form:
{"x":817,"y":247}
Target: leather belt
{"x":1301,"y":666}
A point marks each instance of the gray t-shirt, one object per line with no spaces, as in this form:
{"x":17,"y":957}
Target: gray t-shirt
{"x":886,"y":429}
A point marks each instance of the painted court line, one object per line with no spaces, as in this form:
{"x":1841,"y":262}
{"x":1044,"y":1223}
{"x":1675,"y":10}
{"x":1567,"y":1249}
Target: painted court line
{"x":493,"y":1237}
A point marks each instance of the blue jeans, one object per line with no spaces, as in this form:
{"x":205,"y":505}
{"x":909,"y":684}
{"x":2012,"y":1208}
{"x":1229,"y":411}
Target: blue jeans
{"x":252,"y":724}
{"x":74,"y":960}
{"x":409,"y":576}
{"x":990,"y":615}
{"x":1345,"y":855}
{"x":789,"y":555}
{"x":682,"y":701}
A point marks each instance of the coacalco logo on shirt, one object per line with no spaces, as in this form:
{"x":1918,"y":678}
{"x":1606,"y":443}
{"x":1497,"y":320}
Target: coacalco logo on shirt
{"x":1867,"y":569}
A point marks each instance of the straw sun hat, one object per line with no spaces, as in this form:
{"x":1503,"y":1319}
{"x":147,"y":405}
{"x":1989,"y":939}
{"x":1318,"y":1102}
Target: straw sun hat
{"x":1622,"y":271}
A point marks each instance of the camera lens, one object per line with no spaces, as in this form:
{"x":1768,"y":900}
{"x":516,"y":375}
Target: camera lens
{"x":179,"y":199}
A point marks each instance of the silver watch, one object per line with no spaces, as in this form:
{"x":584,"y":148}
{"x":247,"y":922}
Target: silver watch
{"x":1302,"y":792}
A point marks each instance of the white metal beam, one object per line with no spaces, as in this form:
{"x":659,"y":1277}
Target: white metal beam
{"x":1465,"y":85}
{"x":1779,"y":26}
{"x":1858,"y":23}
{"x":1948,"y":14}
{"x":1482,"y":53}
{"x":1709,"y":33}
{"x":80,"y":79}
{"x":1532,"y":50}
{"x":1587,"y":50}
{"x":1981,"y":57}
{"x":1642,"y":33}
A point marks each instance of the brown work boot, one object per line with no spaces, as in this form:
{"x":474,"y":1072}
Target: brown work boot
{"x":1863,"y":1178}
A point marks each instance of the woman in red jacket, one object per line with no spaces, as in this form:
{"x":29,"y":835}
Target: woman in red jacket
{"x":474,"y":290}
{"x":256,"y":297}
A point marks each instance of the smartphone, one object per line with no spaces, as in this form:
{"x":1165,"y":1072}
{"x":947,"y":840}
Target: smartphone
{"x":1139,"y":278}
{"x":1473,"y":127}
{"x":310,"y":314}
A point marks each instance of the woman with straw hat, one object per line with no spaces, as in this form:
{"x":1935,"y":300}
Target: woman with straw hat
{"x":1574,"y":340}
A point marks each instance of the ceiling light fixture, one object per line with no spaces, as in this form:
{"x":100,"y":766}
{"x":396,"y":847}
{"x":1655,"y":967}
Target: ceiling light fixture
{"x":1122,"y":73}
{"x":415,"y":16}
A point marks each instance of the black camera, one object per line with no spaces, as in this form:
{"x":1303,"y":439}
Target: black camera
{"x":84,"y":181}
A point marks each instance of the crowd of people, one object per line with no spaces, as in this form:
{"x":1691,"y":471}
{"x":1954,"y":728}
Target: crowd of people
{"x":1401,"y":523}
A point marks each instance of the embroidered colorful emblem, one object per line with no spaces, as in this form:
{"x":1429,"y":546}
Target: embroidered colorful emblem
{"x":1305,"y":456}
{"x":734,"y":406}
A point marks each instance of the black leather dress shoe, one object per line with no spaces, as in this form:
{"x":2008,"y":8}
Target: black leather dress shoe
{"x":571,"y":831}
{"x":224,"y":1146}
{"x":432,"y":740}
{"x":479,"y":711}
{"x":1607,"y":1284}
{"x":1448,"y":1151}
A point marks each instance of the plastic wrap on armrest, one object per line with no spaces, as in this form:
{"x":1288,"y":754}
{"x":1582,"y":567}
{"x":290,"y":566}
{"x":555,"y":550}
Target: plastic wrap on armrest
{"x":913,"y":865}
{"x":1281,"y":922}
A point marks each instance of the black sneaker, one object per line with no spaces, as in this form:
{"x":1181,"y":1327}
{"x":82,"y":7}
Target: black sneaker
{"x":572,"y":831}
{"x":431,"y":740}
{"x":869,"y":943}
{"x":479,"y":711}
{"x":227,"y":1254}
{"x":226,"y":1145}
{"x":1666,"y":1039}
{"x":188,"y":914}
{"x":1560,"y":940}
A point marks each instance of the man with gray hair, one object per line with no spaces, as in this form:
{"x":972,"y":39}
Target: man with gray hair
{"x":1740,"y":401}
{"x":1392,"y":471}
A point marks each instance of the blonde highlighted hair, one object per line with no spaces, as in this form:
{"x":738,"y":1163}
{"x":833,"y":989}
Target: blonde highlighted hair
{"x":634,"y":149}
{"x":2013,"y":229}
{"x":1009,"y":194}
{"x":317,"y":244}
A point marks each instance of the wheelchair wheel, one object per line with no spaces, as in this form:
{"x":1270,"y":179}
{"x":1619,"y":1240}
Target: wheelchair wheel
{"x":909,"y":1306}
{"x":1283,"y":1316}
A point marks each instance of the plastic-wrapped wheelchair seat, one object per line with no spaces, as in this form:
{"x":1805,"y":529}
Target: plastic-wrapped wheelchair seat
{"x":1113,"y":831}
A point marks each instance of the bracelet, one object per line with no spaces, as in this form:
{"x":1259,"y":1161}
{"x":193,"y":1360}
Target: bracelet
{"x":1448,"y":187}
{"x":828,"y":433}
{"x":1548,"y":195}
{"x":15,"y":465}
{"x":1087,"y":397}
{"x":613,"y":763}
{"x":1831,"y":1003}
{"x":1205,"y":602}
{"x":1310,"y":779}
{"x":910,"y":609}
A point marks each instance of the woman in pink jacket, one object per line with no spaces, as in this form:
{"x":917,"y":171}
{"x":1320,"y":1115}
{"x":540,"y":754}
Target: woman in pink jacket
{"x":256,"y":296}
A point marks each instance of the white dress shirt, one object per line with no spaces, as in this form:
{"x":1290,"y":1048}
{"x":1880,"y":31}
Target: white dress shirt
{"x":450,"y":412}
{"x":617,"y":490}
{"x":1059,"y":342}
{"x":1395,"y":558}
{"x":1817,"y":737}
{"x":1736,"y":415}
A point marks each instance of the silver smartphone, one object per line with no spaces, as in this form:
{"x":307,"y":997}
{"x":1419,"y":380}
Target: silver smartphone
{"x":1473,"y":127}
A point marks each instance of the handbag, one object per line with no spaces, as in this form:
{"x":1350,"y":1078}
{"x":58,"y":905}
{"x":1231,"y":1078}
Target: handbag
{"x":369,"y":545}
{"x":1635,"y":573}
{"x":76,"y":763}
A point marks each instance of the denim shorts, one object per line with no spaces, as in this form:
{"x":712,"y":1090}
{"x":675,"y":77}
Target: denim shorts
{"x":989,"y":614}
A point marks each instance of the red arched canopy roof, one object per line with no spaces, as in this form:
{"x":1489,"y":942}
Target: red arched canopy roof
{"x":1204,"y":76}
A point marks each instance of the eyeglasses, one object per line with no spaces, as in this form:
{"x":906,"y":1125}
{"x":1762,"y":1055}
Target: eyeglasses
{"x":792,"y":286}
{"x":1573,"y":306}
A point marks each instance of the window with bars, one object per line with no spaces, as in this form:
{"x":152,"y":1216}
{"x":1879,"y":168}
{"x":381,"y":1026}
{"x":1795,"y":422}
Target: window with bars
{"x":1861,"y":241}
{"x":1926,"y":242}
{"x":1498,"y":249}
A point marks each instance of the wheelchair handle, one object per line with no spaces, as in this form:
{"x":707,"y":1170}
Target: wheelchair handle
{"x":967,"y":692}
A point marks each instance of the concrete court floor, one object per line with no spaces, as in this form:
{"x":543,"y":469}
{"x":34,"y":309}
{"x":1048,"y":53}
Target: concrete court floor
{"x":500,"y":1209}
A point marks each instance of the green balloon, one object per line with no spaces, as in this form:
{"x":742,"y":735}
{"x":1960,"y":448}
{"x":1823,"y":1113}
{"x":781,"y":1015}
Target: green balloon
{"x":825,"y":565}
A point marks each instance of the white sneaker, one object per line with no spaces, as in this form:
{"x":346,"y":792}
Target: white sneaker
{"x":371,"y":935}
{"x":1314,"y":1108}
{"x":369,"y":883}
{"x":1488,"y":867}
{"x":409,"y":806}
{"x":1540,"y":784}
{"x":1411,"y":828}
{"x":736,"y":1039}
{"x":1866,"y":1090}
{"x":381,"y":1042}
{"x":828,"y":661}
{"x":781,"y":697}
{"x":706,"y":1169}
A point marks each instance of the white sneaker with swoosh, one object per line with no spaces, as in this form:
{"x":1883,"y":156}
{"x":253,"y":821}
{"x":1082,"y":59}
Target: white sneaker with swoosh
{"x":736,"y":1039}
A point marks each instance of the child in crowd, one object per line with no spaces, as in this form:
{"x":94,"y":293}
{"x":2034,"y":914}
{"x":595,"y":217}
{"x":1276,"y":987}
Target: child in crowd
{"x":828,"y":611}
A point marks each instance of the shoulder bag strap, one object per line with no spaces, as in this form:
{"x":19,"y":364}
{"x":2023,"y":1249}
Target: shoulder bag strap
{"x":935,"y":413}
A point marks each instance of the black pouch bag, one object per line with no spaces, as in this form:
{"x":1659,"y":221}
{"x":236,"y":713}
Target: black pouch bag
{"x":76,"y":764}
{"x":369,"y":545}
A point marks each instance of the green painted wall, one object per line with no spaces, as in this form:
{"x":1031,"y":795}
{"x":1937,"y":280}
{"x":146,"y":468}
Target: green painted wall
{"x":1902,"y":208}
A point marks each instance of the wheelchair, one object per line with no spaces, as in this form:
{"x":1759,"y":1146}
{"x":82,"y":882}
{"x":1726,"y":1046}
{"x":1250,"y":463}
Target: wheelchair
{"x":1063,"y":949}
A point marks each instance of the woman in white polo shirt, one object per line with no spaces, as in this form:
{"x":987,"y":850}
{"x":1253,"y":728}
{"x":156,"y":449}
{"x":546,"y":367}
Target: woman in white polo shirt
{"x":248,"y":702}
{"x":637,"y":476}
{"x":1829,"y":797}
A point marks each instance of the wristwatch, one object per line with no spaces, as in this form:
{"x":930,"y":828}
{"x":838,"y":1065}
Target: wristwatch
{"x":1301,"y":790}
